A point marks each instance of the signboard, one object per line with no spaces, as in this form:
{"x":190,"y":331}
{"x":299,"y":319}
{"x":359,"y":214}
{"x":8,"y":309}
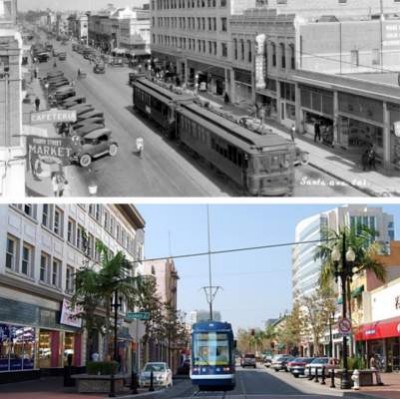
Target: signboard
{"x":396,"y":126}
{"x":137,"y":316}
{"x":53,"y":116}
{"x":51,"y":150}
{"x":344,"y":326}
{"x":260,"y":62}
{"x":391,"y":34}
{"x":68,"y":315}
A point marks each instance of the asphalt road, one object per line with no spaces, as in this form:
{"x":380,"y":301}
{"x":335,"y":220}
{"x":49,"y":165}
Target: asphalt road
{"x":255,"y":384}
{"x":164,"y":170}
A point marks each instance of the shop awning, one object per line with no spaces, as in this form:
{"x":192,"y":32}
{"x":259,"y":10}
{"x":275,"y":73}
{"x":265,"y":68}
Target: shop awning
{"x":119,"y":50}
{"x":139,"y":52}
{"x":357,"y":291}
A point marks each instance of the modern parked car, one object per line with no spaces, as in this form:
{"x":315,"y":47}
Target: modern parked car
{"x":162,"y":375}
{"x":280,"y":362}
{"x":298,"y":365}
{"x":94,"y":145}
{"x":328,"y":362}
{"x":267,"y":360}
{"x":249,"y":360}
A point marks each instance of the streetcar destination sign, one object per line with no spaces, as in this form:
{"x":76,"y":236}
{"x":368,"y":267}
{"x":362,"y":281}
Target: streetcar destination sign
{"x":53,"y":116}
{"x":137,"y":316}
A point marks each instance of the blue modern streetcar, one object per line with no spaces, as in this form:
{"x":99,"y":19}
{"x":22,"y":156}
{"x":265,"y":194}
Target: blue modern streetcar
{"x":213,"y":358}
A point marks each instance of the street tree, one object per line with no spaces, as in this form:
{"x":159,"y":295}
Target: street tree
{"x":315,"y":311}
{"x":290,"y":334}
{"x":95,"y":288}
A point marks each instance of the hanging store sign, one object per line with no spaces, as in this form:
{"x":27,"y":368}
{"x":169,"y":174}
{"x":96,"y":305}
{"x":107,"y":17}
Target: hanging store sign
{"x":69,"y":314}
{"x":396,"y":126}
{"x":51,"y":150}
{"x":260,"y":62}
{"x":53,"y":116}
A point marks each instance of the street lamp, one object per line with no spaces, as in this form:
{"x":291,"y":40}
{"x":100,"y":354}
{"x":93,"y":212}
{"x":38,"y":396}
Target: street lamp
{"x":115,"y":305}
{"x":343,"y":261}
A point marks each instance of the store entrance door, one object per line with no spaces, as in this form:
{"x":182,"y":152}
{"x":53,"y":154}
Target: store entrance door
{"x":393,"y":354}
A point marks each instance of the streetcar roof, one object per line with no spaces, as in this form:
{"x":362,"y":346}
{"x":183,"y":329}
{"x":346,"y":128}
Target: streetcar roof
{"x":159,"y":92}
{"x":211,"y":325}
{"x":236,"y":134}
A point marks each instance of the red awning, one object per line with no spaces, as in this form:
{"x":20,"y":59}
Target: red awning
{"x":379,"y":330}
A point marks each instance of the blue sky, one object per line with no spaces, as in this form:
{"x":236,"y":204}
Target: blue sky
{"x":84,"y":5}
{"x":256,"y":284}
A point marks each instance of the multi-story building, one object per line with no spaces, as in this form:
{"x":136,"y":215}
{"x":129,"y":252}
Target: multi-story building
{"x":306,"y":270}
{"x":43,"y":245}
{"x":12,"y":163}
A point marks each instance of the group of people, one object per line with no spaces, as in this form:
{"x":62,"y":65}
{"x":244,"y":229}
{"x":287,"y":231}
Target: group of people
{"x":59,"y":183}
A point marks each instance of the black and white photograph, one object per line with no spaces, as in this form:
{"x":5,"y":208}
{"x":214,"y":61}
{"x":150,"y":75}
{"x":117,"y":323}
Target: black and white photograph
{"x":200,"y":98}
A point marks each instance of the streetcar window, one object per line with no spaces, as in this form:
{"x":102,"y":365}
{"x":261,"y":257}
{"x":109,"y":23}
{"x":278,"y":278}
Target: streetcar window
{"x":211,"y":349}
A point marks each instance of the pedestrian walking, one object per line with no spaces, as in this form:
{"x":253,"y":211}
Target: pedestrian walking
{"x":365,"y":159}
{"x":54,"y":64}
{"x":226,"y":98}
{"x":372,"y":157}
{"x":139,"y":146}
{"x":293,"y":132}
{"x":37,"y":103}
{"x":317,"y":132}
{"x":373,"y":365}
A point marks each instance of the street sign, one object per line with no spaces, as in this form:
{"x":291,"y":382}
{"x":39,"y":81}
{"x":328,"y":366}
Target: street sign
{"x":137,"y":316}
{"x":344,"y":326}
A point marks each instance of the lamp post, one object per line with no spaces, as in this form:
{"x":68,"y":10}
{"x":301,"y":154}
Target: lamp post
{"x":343,"y":260}
{"x":115,"y":305}
{"x":331,"y":320}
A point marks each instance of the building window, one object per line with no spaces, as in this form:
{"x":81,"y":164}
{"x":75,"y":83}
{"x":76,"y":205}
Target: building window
{"x":376,"y":56}
{"x":224,"y":49}
{"x":27,"y":260}
{"x":118,"y":237}
{"x":107,"y":220}
{"x":11,"y":253}
{"x":354,"y":58}
{"x":46,"y":215}
{"x":70,"y":282}
{"x":71,"y":231}
{"x":112,"y":225}
{"x":44,"y":267}
{"x":58,"y":222}
{"x":97,"y":255}
{"x":90,"y":248}
{"x":292,"y":57}
{"x":56,"y":273}
{"x":235,"y":48}
{"x":242,"y":52}
{"x":249,"y":48}
{"x":283,"y":56}
{"x":30,"y":210}
{"x":273,"y":47}
{"x":224,"y":24}
{"x":223,"y":3}
{"x":79,"y":237}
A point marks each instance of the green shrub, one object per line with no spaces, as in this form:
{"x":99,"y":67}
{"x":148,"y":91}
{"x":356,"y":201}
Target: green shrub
{"x":354,"y":363}
{"x":102,"y":368}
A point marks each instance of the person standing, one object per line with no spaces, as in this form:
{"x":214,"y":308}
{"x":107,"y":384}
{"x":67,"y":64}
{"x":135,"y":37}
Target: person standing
{"x":37,"y":104}
{"x":372,"y":158}
{"x":373,"y":365}
{"x":317,"y":132}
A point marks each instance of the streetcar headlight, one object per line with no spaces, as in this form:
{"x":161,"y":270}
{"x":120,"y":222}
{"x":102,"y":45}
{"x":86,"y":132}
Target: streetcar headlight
{"x":226,"y":369}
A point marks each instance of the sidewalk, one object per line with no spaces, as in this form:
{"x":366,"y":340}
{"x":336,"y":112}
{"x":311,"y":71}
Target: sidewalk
{"x":337,"y":162}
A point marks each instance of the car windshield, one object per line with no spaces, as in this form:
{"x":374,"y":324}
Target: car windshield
{"x":250,"y":355}
{"x":157,"y":367}
{"x":320,"y":360}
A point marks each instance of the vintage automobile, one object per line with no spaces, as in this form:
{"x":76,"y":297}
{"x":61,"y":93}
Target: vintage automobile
{"x":116,"y":61}
{"x":100,"y":67}
{"x":43,"y":57}
{"x":91,"y":114}
{"x":89,"y":121}
{"x":64,"y":92}
{"x":162,"y":374}
{"x":71,"y":101}
{"x":62,"y":56}
{"x":133,"y":76}
{"x":84,"y":130}
{"x":94,"y":145}
{"x":53,"y":74}
{"x":82,"y":108}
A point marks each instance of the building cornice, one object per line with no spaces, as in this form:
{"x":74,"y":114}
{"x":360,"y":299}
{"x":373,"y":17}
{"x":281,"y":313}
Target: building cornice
{"x":132,"y":215}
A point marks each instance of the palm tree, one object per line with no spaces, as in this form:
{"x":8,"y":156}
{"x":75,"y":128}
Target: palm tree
{"x":95,"y":289}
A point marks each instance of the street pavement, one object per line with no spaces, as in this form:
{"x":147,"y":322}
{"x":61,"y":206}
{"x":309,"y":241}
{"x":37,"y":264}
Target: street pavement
{"x":250,"y":384}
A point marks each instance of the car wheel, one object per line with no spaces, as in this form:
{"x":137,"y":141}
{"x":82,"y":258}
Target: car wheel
{"x":113,"y":150}
{"x":295,"y":375}
{"x":276,"y":370}
{"x":85,"y":160}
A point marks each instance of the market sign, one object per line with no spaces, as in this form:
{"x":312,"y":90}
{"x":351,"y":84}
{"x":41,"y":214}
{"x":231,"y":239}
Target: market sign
{"x":260,"y":62}
{"x":69,"y":314}
{"x":51,"y":150}
{"x":53,"y":116}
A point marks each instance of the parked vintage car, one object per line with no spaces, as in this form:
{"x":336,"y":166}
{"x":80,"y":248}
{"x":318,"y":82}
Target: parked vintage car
{"x":85,"y":122}
{"x":82,"y":108}
{"x":116,"y":61}
{"x":100,"y":67}
{"x":62,"y":56}
{"x":84,"y":130}
{"x":162,"y":375}
{"x":75,"y":100}
{"x":64,"y":92}
{"x":91,"y":114}
{"x":94,"y":145}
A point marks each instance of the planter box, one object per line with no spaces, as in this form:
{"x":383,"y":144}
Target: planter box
{"x":98,"y":383}
{"x":366,"y":377}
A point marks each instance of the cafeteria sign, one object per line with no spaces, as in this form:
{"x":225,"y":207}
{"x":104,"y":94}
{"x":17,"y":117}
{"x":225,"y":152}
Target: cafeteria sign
{"x":53,"y":116}
{"x":50,"y":150}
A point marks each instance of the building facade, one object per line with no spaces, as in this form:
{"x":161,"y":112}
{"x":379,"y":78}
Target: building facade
{"x":12,"y":163}
{"x":43,"y":246}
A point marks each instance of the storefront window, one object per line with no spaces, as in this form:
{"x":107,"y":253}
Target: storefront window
{"x":69,"y":342}
{"x":44,"y":349}
{"x":290,"y":112}
{"x":17,"y":347}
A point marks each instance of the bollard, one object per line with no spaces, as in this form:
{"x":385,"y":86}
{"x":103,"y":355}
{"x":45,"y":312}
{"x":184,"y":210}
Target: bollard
{"x":332,"y":378}
{"x":356,"y":380}
{"x":316,"y":374}
{"x":134,"y":384}
{"x":112,"y":384}
{"x":323,"y":376}
{"x":151,"y":389}
{"x":309,"y":374}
